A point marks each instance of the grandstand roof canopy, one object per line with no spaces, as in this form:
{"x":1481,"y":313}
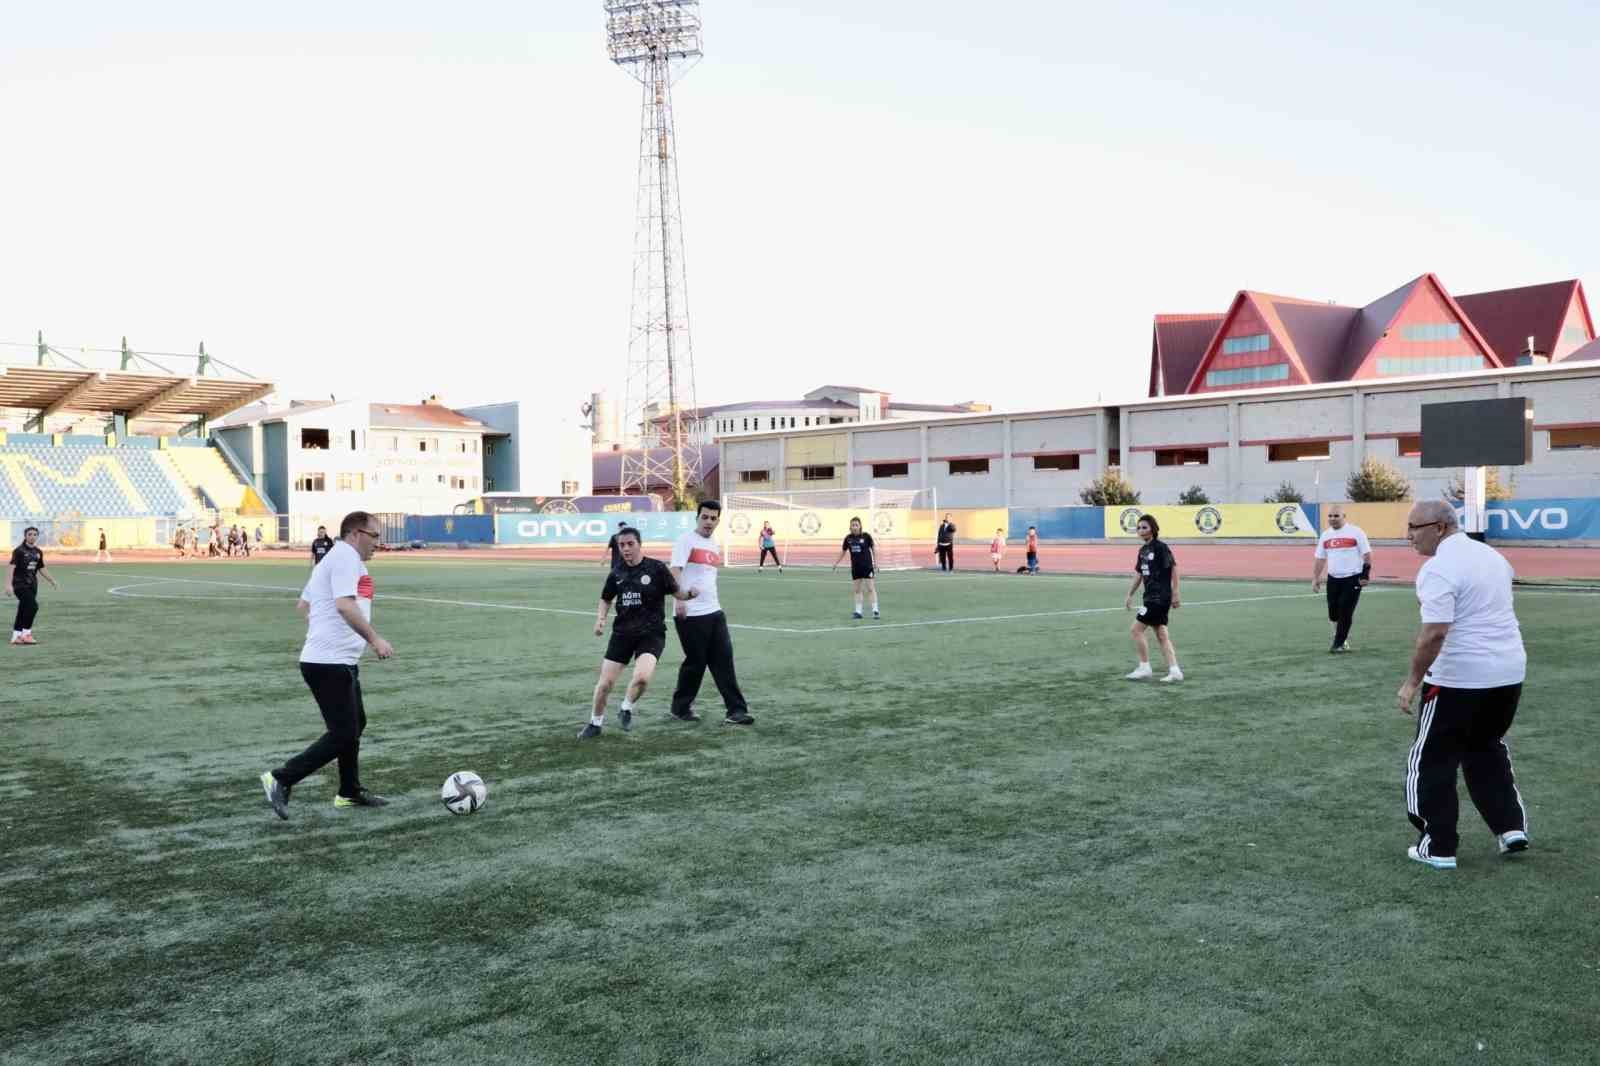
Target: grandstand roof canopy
{"x":65,"y":390}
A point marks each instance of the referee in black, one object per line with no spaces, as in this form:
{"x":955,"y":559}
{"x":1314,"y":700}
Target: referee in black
{"x":1469,"y":664}
{"x":321,"y":546}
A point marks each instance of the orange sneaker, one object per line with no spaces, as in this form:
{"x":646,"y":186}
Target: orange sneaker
{"x":27,"y":638}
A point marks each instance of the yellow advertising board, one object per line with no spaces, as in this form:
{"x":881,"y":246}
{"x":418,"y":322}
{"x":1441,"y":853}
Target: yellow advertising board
{"x":1379,"y":521}
{"x":1218,"y":521}
{"x":885,"y":523}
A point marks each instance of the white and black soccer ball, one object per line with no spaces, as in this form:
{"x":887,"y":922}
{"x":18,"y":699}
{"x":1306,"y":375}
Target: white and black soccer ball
{"x":463,"y":792}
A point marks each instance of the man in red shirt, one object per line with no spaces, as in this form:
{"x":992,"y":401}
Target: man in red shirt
{"x":1033,"y":550}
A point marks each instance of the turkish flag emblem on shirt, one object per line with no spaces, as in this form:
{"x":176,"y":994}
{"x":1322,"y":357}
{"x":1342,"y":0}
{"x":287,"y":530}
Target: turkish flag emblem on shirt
{"x":364,"y":586}
{"x":705,"y":556}
{"x":1341,"y":542}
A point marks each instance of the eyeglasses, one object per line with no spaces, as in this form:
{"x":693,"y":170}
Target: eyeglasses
{"x":1414,"y":526}
{"x":375,"y":534}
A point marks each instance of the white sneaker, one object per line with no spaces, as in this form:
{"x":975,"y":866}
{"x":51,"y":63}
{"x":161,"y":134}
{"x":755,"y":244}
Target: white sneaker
{"x":1513,"y":841}
{"x":1141,"y":673}
{"x":1436,"y":862}
{"x":1173,"y":674}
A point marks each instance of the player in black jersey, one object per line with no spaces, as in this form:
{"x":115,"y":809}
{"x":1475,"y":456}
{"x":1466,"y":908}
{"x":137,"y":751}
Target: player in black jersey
{"x":22,"y":581}
{"x":321,"y":546}
{"x":613,"y":556}
{"x":640,"y":588}
{"x":863,"y":564}
{"x":1157,"y":570}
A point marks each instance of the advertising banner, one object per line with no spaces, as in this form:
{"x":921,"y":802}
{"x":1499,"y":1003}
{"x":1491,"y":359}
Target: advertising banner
{"x":1217,"y":521}
{"x":656,"y":527}
{"x":832,"y":523}
{"x":1058,"y":523}
{"x":450,"y":529}
{"x":497,"y":504}
{"x":1555,"y":519}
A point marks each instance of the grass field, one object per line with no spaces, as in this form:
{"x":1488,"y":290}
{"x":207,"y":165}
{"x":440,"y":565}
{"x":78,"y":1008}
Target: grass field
{"x":956,"y":837}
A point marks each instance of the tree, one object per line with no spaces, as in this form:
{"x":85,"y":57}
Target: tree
{"x":1110,"y":489}
{"x":1193,"y":496}
{"x":1285,"y":493}
{"x":1494,"y":488}
{"x":1377,"y":482}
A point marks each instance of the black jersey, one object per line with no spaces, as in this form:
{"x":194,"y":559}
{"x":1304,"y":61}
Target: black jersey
{"x":616,"y":553}
{"x":1156,"y":564}
{"x":28,"y":562}
{"x":640,"y":593}
{"x":320,"y":547}
{"x":860,"y":547}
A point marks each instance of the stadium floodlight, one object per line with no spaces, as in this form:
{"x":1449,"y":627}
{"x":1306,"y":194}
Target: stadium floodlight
{"x":657,"y":41}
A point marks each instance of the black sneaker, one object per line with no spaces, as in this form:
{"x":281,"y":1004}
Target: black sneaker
{"x":1337,"y":649}
{"x":277,"y":794}
{"x":738,"y":718}
{"x":686,"y":716}
{"x":362,"y":798}
{"x":589,"y":731}
{"x":627,"y":719}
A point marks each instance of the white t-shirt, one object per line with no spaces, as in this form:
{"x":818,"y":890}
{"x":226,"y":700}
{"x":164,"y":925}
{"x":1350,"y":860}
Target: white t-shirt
{"x":699,"y":557}
{"x":329,"y":638}
{"x":1468,"y":584}
{"x":1343,"y":548}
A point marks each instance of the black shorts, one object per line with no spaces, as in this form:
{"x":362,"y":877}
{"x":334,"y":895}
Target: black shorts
{"x":1153,"y":614}
{"x":861,"y":573}
{"x":622,"y":647}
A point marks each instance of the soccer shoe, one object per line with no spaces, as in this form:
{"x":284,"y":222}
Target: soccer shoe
{"x":1512,"y":842}
{"x":1142,"y":672}
{"x":856,"y":615}
{"x":16,"y":640}
{"x":1435,"y":861}
{"x":627,"y":719}
{"x":277,"y":794}
{"x":1173,"y":674}
{"x":686,"y":716}
{"x":26,"y":638}
{"x":1340,"y":649}
{"x":738,"y":718}
{"x":875,"y":614}
{"x":362,"y":798}
{"x":589,"y":731}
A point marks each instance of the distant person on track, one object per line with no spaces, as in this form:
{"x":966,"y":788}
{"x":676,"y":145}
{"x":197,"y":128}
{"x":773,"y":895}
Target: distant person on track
{"x":1343,"y":552}
{"x":259,"y":536}
{"x":997,"y":549}
{"x":613,"y":556}
{"x":321,"y":546}
{"x":22,"y":581}
{"x":180,"y":540}
{"x":769,"y":543}
{"x":701,"y":625}
{"x":103,"y":553}
{"x":863,"y":565}
{"x":639,"y":588}
{"x":1470,"y":664}
{"x":1033,"y":550}
{"x":1157,"y":571}
{"x":337,"y":605}
{"x":944,"y":545}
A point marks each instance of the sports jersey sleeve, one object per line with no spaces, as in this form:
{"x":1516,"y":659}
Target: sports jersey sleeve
{"x":16,"y":558}
{"x":41,"y":560}
{"x":1437,"y":597}
{"x":870,"y":544}
{"x":609,"y":592}
{"x":1362,"y":545}
{"x":680,"y":552}
{"x":344,"y":575}
{"x":669,"y":584}
{"x":1322,"y":547}
{"x":1167,"y":559}
{"x":844,"y":545}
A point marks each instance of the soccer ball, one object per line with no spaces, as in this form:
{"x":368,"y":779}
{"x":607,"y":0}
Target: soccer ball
{"x":463,"y":792}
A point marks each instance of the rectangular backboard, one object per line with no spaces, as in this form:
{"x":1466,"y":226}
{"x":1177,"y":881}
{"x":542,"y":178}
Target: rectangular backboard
{"x":1477,"y":433}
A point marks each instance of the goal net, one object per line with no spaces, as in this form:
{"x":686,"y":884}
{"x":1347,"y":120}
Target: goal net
{"x":809,"y":526}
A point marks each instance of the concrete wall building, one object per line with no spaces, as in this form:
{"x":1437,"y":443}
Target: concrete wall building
{"x":1238,"y":446}
{"x":829,"y":405}
{"x":533,"y":450}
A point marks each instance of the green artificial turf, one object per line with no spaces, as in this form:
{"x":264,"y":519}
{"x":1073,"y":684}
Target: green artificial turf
{"x":969,"y":842}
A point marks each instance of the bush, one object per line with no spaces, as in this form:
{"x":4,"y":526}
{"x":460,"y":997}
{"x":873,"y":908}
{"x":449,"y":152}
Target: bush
{"x":1285,"y":493}
{"x":1110,"y":489}
{"x":1494,"y":488}
{"x":1193,"y":496}
{"x":1377,"y":482}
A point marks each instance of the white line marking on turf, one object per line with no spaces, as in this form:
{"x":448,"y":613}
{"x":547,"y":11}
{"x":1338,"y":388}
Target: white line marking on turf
{"x":1040,"y":614}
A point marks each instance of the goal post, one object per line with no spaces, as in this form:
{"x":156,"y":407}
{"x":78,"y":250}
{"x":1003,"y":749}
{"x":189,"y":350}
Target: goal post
{"x":809,"y":525}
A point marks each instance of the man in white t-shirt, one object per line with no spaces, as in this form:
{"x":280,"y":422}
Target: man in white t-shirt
{"x":337,"y":605}
{"x":1470,"y":663}
{"x":1343,"y":552}
{"x":701,"y":625}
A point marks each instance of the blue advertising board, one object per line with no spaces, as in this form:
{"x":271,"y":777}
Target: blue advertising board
{"x":1553,"y":519}
{"x":450,"y":529}
{"x":1057,"y":523}
{"x":657,"y":527}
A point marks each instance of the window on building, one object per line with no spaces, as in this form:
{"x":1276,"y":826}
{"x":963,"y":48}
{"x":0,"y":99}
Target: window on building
{"x":474,"y":445}
{"x":1409,"y":445}
{"x":1431,"y":331}
{"x":1247,"y":375}
{"x":568,"y":488}
{"x":891,"y":469}
{"x":1575,"y":335}
{"x":488,"y":447}
{"x":1582,"y":437}
{"x":1183,"y":457}
{"x":441,"y":479}
{"x":1114,"y":457}
{"x":399,"y":479}
{"x":457,"y":482}
{"x":1433,"y":364}
{"x":488,"y":484}
{"x":352,"y":440}
{"x":816,"y":473}
{"x":311,"y":483}
{"x":351,"y":482}
{"x":1298,"y":451}
{"x":969,"y":466}
{"x":808,"y":420}
{"x":1256,"y":342}
{"x":834,"y":421}
{"x":313,"y":439}
{"x":422,"y":444}
{"x":746,"y":422}
{"x":1055,"y":462}
{"x":756,"y":477}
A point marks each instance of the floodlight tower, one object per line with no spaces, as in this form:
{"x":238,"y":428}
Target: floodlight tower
{"x":657,"y":42}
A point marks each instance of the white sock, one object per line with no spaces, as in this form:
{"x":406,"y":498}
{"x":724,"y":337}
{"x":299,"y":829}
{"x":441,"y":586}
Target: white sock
{"x":15,"y":633}
{"x":597,"y":720}
{"x":858,"y":607}
{"x":27,"y":632}
{"x":874,"y":606}
{"x":627,"y":704}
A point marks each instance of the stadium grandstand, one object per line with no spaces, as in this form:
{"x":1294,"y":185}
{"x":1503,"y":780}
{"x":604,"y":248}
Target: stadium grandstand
{"x":124,"y":450}
{"x":1268,"y":341}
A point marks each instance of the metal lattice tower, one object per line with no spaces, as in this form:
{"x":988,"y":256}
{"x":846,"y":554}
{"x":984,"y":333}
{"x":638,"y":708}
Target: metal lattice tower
{"x":657,"y":42}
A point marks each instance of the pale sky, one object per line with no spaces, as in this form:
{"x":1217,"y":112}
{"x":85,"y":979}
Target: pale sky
{"x":947,"y":201}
